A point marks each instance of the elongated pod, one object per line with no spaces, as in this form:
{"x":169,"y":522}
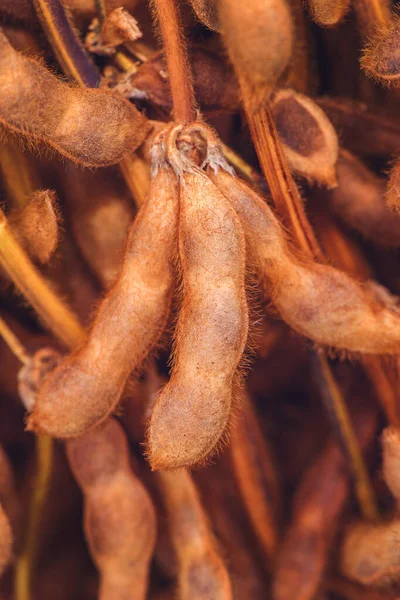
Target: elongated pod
{"x":87,"y":385}
{"x":318,"y":301}
{"x":202,"y":573}
{"x":91,"y":127}
{"x":119,"y":518}
{"x":193,"y":409}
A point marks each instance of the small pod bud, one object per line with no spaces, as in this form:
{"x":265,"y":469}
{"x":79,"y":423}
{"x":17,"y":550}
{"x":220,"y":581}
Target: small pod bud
{"x":91,"y":127}
{"x":35,"y":225}
{"x":207,"y":13}
{"x":259,"y":37}
{"x":359,"y":201}
{"x":328,"y":12}
{"x":308,"y":137}
{"x":381,"y":58}
{"x":119,"y":518}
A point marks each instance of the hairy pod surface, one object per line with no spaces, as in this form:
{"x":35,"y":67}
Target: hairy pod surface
{"x":119,"y":518}
{"x":381,"y":58}
{"x":91,"y":127}
{"x":202,"y":573}
{"x":193,"y":409}
{"x":87,"y":385}
{"x":245,"y":27}
{"x":328,"y":12}
{"x":318,"y":301}
{"x":207,"y":13}
{"x":359,"y":201}
{"x":308,"y":137}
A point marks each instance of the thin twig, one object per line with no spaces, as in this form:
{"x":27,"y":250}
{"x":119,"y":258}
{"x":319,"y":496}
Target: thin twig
{"x":13,"y":342}
{"x":179,"y":70}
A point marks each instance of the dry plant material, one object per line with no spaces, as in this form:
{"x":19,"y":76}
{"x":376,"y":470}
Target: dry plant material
{"x":117,"y":28}
{"x":8,"y":508}
{"x":393,"y":189}
{"x":135,"y":310}
{"x":91,"y":127}
{"x":35,"y":225}
{"x":308,"y":138}
{"x":207,"y":13}
{"x":381,"y":59}
{"x":119,"y":518}
{"x":327,"y":13}
{"x":357,"y":320}
{"x":245,"y":27}
{"x":193,"y":410}
{"x":202,"y":574}
{"x":33,"y":373}
{"x":359,"y":201}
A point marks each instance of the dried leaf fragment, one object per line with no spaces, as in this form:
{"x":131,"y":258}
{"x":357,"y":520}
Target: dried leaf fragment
{"x":118,"y":27}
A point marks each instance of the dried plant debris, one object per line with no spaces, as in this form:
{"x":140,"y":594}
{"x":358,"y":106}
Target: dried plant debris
{"x":200,"y":322}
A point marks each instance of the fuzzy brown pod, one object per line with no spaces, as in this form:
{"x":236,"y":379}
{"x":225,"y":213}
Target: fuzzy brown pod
{"x":90,"y":127}
{"x":100,"y":212}
{"x":214,"y":83}
{"x":119,"y":518}
{"x":391,"y":460}
{"x":381,"y":57}
{"x":327,"y":13}
{"x":35,"y":225}
{"x":202,"y":574}
{"x":308,"y":138}
{"x":87,"y":385}
{"x":245,"y":26}
{"x":359,"y":201}
{"x":193,"y":410}
{"x":318,"y":301}
{"x":9,"y":511}
{"x":393,"y":188}
{"x":207,"y":13}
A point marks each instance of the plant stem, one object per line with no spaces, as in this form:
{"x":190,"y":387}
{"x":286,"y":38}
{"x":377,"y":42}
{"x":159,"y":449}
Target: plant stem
{"x":179,"y":70}
{"x":13,"y":342}
{"x":26,"y":561}
{"x":56,"y":315}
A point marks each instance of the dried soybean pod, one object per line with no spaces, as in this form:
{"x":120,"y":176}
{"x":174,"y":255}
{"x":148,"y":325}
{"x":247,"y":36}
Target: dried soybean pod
{"x":245,"y":27}
{"x":91,"y":127}
{"x":308,"y":138}
{"x":391,"y":460}
{"x":206,"y":11}
{"x":381,"y":58}
{"x":193,"y":410}
{"x":128,"y":324}
{"x":35,"y":225}
{"x":318,"y":504}
{"x":119,"y":518}
{"x":393,"y":188}
{"x":100,"y":212}
{"x":328,"y":12}
{"x":202,"y":573}
{"x":6,"y":541}
{"x":318,"y":301}
{"x":256,"y":478}
{"x":9,"y":510}
{"x":359,"y":201}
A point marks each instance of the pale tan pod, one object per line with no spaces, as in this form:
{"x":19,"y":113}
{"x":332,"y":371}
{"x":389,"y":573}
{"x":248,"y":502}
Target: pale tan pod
{"x":202,"y":573}
{"x":193,"y":409}
{"x":328,"y":12}
{"x":318,"y":301}
{"x":308,"y":138}
{"x":259,"y":37}
{"x":86,"y":386}
{"x":119,"y":518}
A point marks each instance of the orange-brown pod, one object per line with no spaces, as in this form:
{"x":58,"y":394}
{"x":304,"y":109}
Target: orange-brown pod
{"x":202,"y":573}
{"x":119,"y":518}
{"x":91,"y":127}
{"x":328,"y":12}
{"x":318,"y":301}
{"x":87,"y":385}
{"x":192,"y":411}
